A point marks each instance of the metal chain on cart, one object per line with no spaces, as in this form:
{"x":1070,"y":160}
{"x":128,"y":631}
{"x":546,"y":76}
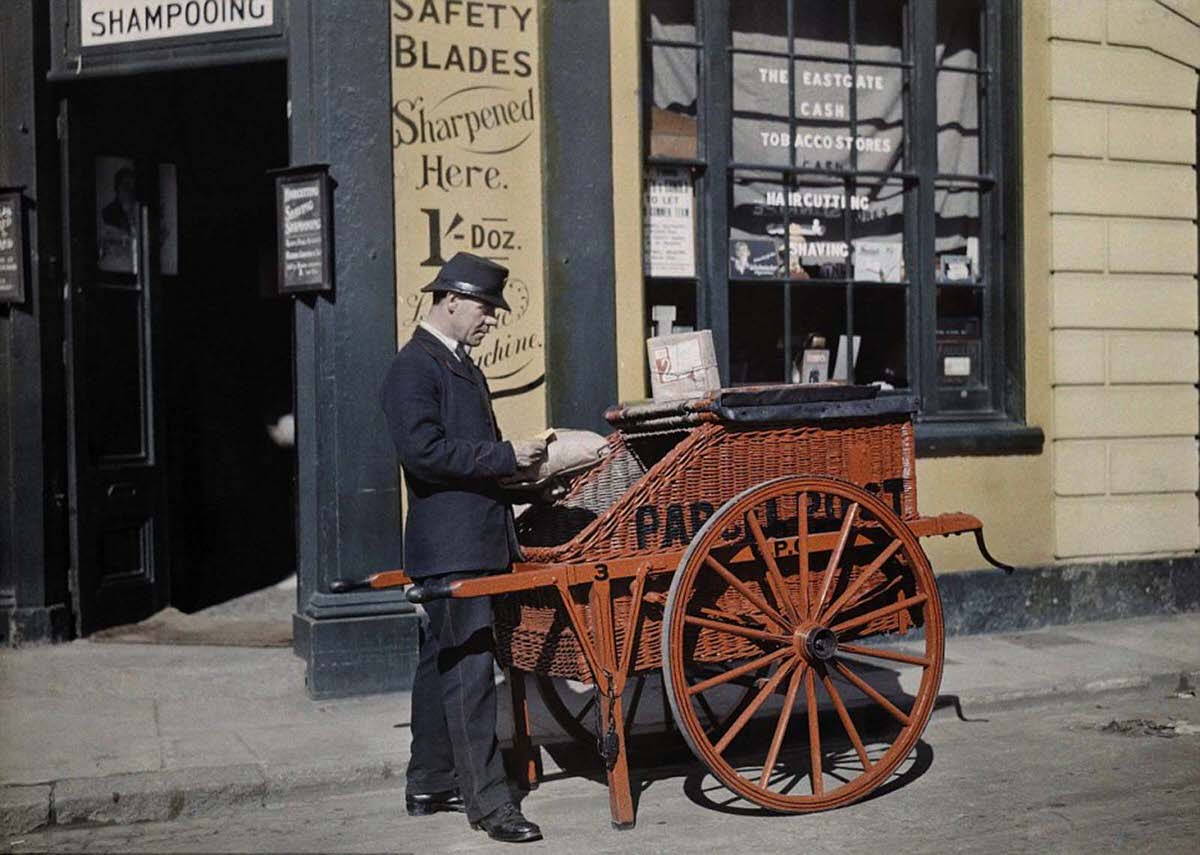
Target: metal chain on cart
{"x":608,"y":744}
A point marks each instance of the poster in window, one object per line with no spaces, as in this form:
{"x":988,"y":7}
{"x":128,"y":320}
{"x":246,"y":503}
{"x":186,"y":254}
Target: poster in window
{"x":670,"y":233}
{"x":117,"y":212}
{"x":879,"y":261}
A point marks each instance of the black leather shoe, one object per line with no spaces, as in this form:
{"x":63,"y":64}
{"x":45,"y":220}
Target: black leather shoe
{"x":508,"y":825}
{"x":423,"y":804}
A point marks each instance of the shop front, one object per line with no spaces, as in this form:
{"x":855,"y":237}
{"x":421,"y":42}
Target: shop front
{"x":891,"y":192}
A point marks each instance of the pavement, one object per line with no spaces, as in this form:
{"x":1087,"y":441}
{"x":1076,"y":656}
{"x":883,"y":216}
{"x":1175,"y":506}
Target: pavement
{"x":124,"y":733}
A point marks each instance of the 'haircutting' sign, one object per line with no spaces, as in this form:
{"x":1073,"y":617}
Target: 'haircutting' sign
{"x":110,"y":22}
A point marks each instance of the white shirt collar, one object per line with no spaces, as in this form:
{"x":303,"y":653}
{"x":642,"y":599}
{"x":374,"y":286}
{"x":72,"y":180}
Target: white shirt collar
{"x":443,"y":338}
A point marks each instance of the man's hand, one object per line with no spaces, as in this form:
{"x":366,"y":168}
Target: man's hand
{"x":530,"y":452}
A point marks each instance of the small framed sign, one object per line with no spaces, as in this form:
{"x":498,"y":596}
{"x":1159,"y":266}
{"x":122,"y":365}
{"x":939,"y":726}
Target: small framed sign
{"x":304,"y":230}
{"x":12,"y":245}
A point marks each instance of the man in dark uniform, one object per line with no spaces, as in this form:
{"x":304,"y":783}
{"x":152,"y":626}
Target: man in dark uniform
{"x":440,"y":416}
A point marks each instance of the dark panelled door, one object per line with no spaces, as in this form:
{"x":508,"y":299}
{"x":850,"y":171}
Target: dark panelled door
{"x":117,"y":491}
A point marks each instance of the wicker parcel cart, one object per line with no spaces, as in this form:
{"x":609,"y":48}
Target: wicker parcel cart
{"x":759,"y":547}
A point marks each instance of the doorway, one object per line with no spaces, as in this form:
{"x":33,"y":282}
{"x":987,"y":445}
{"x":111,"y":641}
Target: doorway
{"x":179,"y":355}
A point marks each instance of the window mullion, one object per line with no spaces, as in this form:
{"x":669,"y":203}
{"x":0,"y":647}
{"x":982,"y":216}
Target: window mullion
{"x":923,"y":133}
{"x":716,"y":82}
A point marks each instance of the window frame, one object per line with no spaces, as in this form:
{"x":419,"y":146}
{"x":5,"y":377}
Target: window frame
{"x":998,"y":425}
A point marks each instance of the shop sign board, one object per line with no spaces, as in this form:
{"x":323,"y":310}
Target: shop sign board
{"x":114,"y":22}
{"x":466,"y":130}
{"x":12,"y":246}
{"x":304,"y":230}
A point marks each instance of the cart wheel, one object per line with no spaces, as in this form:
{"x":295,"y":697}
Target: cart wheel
{"x":763,"y":585}
{"x":577,"y":715}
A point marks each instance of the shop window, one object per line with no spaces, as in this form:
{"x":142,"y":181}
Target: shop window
{"x":838,"y":171}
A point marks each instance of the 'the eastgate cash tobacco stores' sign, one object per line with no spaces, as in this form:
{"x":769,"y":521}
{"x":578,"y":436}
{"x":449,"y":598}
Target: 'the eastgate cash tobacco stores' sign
{"x":466,"y":121}
{"x":108,"y":22}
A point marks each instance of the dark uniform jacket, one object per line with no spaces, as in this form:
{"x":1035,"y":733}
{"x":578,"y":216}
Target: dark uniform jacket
{"x":439,"y":412}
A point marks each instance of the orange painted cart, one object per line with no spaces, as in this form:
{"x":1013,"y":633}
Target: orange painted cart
{"x":761,"y":548}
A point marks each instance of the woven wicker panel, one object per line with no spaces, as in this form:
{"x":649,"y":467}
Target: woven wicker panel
{"x":590,"y":496}
{"x":716,"y":462}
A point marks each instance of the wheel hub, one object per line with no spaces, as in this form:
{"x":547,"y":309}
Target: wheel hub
{"x":815,"y":643}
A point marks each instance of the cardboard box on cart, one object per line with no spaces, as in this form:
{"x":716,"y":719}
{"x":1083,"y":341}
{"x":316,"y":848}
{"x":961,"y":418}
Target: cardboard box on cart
{"x":682,"y":365}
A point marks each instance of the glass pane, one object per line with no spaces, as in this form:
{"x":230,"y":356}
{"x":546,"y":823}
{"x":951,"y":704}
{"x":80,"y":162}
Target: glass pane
{"x":961,"y":369}
{"x":760,"y":109}
{"x":880,"y":30}
{"x":958,"y":123}
{"x":672,"y":20}
{"x":673,"y":131}
{"x":820,"y":27}
{"x":756,"y":334}
{"x":816,"y":229}
{"x":818,"y":315}
{"x":756,"y":227}
{"x":113,"y":359}
{"x":878,"y":233}
{"x":958,"y":33}
{"x":956,"y":239}
{"x":881,"y":324}
{"x":823,"y":111}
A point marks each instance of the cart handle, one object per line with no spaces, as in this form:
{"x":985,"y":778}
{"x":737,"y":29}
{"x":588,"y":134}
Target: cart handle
{"x":431,"y":589}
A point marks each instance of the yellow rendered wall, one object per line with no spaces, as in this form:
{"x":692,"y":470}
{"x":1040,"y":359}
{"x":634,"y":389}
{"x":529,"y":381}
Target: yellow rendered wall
{"x":625,"y":53}
{"x":1123,"y":308}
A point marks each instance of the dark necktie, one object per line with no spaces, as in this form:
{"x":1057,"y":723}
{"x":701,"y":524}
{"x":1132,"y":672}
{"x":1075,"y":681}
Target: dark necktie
{"x":463,"y":356}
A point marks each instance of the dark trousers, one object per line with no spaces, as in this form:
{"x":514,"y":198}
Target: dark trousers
{"x":454,"y":707}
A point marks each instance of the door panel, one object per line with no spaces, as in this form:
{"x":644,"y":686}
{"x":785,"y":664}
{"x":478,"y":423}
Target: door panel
{"x":117,"y":495}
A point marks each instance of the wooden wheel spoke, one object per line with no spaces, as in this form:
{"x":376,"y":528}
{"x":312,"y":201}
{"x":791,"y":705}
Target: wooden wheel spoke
{"x":759,"y":699}
{"x":774,"y":577}
{"x":870,"y":691}
{"x":802,"y":549}
{"x":847,"y":722}
{"x":883,"y":611}
{"x":815,"y":765}
{"x":890,"y":655}
{"x":857,"y":584}
{"x":740,"y":631}
{"x":734,"y":673}
{"x":835,"y":557}
{"x":745,"y":590}
{"x":781,"y":727}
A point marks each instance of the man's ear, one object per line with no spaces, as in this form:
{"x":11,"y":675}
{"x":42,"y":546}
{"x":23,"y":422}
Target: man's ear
{"x":451,"y":301}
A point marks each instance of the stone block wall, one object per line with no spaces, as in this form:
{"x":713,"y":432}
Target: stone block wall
{"x":1123,"y":258}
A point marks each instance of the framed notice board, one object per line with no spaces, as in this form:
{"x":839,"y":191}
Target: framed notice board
{"x":12,"y":245}
{"x":304,"y":230}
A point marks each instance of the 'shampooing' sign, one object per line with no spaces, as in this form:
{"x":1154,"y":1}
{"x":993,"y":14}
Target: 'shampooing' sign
{"x":108,"y":22}
{"x":467,"y":170}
